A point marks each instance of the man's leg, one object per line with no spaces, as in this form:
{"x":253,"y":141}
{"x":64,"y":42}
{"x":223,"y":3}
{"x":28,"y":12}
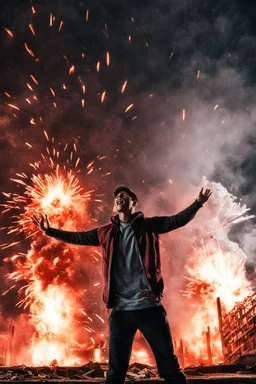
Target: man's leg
{"x":153,"y":324}
{"x":122,"y":329}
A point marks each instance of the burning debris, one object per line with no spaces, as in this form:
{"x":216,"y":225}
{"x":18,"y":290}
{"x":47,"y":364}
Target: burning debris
{"x":239,"y":330}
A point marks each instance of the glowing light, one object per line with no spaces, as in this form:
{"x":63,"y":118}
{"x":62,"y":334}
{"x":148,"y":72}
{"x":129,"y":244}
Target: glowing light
{"x":34,"y":79}
{"x":52,"y":92}
{"x":171,"y":55}
{"x":32,"y":29}
{"x":128,"y":108}
{"x":97,"y":355}
{"x":124,"y":86}
{"x":9,"y":32}
{"x":61,"y":24}
{"x":29,"y":50}
{"x":103,"y":96}
{"x":13,"y":106}
{"x":72,"y":70}
{"x":107,"y":59}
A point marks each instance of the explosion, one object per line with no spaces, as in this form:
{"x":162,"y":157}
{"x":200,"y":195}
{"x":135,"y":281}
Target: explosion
{"x":216,"y":269}
{"x":50,"y":268}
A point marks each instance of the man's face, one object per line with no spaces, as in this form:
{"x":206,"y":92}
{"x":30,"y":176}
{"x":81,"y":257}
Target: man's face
{"x":123,"y":202}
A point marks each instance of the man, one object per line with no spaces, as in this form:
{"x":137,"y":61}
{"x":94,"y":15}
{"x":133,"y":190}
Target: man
{"x":133,"y":281}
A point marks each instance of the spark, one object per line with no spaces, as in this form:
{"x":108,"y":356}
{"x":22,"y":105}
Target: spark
{"x":46,"y":135}
{"x":198,"y":74}
{"x":4,"y":293}
{"x":83,"y":103}
{"x":32,"y":29}
{"x":72,"y":69}
{"x":98,"y":66}
{"x":171,"y":55}
{"x":103,"y":96}
{"x":61,"y":24}
{"x":29,"y":50}
{"x":33,"y":9}
{"x":216,"y":106}
{"x":183,"y":114}
{"x":34,"y":79}
{"x":129,"y":38}
{"x":7,"y":94}
{"x":107,"y":59}
{"x":87,"y":15}
{"x":52,"y":91}
{"x":13,"y":106}
{"x":128,"y":108}
{"x":90,"y":164}
{"x":124,"y":86}
{"x":9,"y":32}
{"x":29,"y":87}
{"x":100,"y":318}
{"x":50,"y":19}
{"x":29,"y":145}
{"x":83,"y":88}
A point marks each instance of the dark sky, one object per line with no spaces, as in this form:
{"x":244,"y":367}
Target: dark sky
{"x":216,"y":38}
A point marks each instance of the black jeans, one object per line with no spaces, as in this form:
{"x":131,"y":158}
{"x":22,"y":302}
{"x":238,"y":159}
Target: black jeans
{"x":154,"y":326}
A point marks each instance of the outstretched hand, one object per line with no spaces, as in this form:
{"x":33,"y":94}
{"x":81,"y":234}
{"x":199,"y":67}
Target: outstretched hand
{"x":41,"y":221}
{"x":204,"y":196}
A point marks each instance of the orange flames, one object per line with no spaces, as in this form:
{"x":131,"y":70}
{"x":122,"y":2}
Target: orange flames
{"x":213,"y":273}
{"x":50,"y":267}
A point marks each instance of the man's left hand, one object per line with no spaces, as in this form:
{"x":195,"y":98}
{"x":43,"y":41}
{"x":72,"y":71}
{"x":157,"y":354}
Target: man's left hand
{"x":204,"y":196}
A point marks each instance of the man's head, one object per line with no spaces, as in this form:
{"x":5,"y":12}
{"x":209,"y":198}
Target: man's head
{"x":125,"y":200}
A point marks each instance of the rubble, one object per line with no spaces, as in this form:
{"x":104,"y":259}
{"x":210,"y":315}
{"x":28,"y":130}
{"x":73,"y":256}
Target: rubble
{"x":96,"y":372}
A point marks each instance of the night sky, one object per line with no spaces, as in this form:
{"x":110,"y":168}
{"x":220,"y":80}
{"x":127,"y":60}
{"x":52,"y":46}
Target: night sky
{"x":197,"y":56}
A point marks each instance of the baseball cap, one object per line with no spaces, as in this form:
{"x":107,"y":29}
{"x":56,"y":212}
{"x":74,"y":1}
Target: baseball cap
{"x":120,"y":188}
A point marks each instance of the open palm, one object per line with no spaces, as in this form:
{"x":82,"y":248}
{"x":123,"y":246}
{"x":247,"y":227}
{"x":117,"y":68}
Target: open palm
{"x":41,"y":221}
{"x":204,"y":196}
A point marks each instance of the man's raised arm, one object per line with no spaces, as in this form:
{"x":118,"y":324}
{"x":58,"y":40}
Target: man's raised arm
{"x":78,"y":238}
{"x":163,"y":224}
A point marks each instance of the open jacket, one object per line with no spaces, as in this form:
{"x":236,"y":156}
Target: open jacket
{"x":147,"y":231}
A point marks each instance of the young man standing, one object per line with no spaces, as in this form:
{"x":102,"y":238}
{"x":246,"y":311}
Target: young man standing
{"x":133,"y":281}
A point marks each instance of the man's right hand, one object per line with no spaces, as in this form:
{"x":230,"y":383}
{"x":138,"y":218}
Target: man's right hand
{"x":41,"y":221}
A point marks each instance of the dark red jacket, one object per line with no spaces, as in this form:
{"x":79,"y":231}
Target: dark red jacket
{"x":147,"y":231}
